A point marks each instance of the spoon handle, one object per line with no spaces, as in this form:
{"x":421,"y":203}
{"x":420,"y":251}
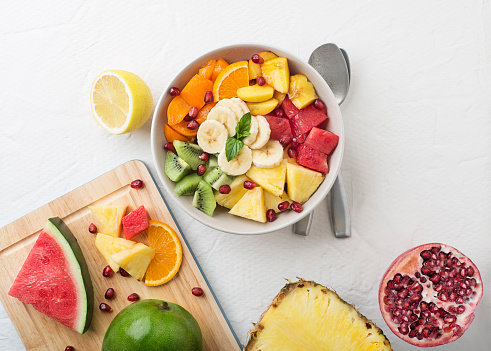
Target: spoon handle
{"x":340,"y":215}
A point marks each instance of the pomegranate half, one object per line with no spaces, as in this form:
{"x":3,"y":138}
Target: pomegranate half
{"x":429,"y":293}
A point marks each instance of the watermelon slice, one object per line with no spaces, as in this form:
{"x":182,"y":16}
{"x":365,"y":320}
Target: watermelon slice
{"x":302,"y":121}
{"x":55,"y":279}
{"x":290,"y":109}
{"x":311,"y":158}
{"x":279,"y":127}
{"x":322,"y":140}
{"x":135,"y":222}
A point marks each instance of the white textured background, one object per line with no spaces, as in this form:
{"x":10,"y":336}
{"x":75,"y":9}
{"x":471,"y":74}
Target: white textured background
{"x":418,"y":131}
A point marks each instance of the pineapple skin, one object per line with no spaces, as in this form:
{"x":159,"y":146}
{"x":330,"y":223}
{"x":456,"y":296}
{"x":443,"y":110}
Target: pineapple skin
{"x":254,"y":333}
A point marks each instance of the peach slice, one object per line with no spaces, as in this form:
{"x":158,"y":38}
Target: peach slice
{"x":262,"y":108}
{"x":206,"y":71}
{"x":219,"y":67}
{"x":255,"y":68}
{"x":177,"y":110}
{"x":279,"y":96}
{"x":194,"y":92}
{"x":171,"y":134}
{"x":277,"y":74}
{"x":255,"y":93}
{"x":301,"y":91}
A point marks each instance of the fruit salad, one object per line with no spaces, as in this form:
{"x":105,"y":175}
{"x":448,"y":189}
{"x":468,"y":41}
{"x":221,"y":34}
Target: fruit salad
{"x":247,"y":136}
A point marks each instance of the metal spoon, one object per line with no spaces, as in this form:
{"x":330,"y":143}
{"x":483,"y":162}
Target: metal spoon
{"x":333,"y":65}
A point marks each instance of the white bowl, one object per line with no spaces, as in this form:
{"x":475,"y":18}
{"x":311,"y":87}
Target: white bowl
{"x":221,"y":220}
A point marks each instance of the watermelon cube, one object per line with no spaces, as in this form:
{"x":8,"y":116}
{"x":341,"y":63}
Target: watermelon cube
{"x":311,"y":158}
{"x":289,"y":108}
{"x":322,"y":140}
{"x":135,"y":222}
{"x":279,"y":127}
{"x":306,"y":119}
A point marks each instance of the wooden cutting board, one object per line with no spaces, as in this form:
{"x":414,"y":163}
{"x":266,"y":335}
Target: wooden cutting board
{"x":39,"y":332}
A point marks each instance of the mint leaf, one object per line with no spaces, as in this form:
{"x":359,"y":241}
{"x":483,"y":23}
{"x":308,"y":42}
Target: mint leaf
{"x":232,"y":148}
{"x":243,"y":127}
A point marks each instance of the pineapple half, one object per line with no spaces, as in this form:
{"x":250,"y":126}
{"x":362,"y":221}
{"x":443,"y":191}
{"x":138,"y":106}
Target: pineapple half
{"x":308,"y":316}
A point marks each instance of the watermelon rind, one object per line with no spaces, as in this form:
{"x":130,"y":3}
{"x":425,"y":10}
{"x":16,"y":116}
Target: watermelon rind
{"x":59,"y":231}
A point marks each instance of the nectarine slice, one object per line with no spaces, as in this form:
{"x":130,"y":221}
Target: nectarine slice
{"x":194,"y":92}
{"x":219,"y":67}
{"x":206,"y":71}
{"x":177,"y":110}
{"x":171,"y":134}
{"x":182,"y":127}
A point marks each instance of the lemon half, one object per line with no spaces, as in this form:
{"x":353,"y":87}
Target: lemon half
{"x":121,"y":101}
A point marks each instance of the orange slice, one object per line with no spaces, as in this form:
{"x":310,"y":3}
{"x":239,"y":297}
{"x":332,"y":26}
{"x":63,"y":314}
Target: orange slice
{"x":219,"y":67}
{"x":168,"y":254}
{"x":206,"y":71}
{"x":232,"y":77}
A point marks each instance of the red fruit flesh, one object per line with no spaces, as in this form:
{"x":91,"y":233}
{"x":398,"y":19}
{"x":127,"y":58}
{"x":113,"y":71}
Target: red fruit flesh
{"x":279,"y":126}
{"x":311,"y":158}
{"x":322,"y":140}
{"x":429,"y":293}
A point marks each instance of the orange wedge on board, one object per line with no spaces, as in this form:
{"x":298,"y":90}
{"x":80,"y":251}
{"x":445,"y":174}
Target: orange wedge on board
{"x":232,"y":77}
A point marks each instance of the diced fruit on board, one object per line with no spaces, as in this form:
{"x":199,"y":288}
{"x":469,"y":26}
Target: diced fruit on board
{"x":271,"y":179}
{"x":187,"y":185}
{"x":237,"y":190}
{"x":194,"y":91}
{"x":301,"y":182}
{"x":55,"y":279}
{"x":277,"y":74}
{"x":177,"y":110}
{"x":216,"y":178}
{"x":220,"y":65}
{"x":308,"y":316}
{"x":262,"y":108}
{"x":109,"y":245}
{"x":206,"y":71}
{"x":171,"y":134}
{"x":311,"y":158}
{"x":255,"y":93}
{"x":251,"y":205}
{"x":135,"y":259}
{"x":108,"y":218}
{"x":306,"y":119}
{"x":232,"y":77}
{"x":190,"y":153}
{"x":255,"y":68}
{"x":135,"y":222}
{"x":272,"y":201}
{"x":204,"y":199}
{"x":301,"y":91}
{"x":322,"y":140}
{"x":279,"y":127}
{"x":168,"y":254}
{"x":175,"y":167}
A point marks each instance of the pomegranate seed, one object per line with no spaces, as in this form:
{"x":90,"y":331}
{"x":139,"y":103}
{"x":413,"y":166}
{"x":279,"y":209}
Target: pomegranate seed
{"x":301,"y":138}
{"x":188,"y":118}
{"x":292,"y":153}
{"x":169,"y":147}
{"x":204,"y":156}
{"x":249,"y":185}
{"x":279,"y":112}
{"x":285,"y":140}
{"x":460,"y":309}
{"x":107,"y":271}
{"x":69,"y":348}
{"x":283,"y":206}
{"x":295,"y":206}
{"x":123,"y":272}
{"x":318,"y":104}
{"x":92,"y":228}
{"x":270,"y":215}
{"x":133,"y":297}
{"x":193,"y":112}
{"x":137,"y":184}
{"x":257,"y":59}
{"x":174,"y":91}
{"x":224,"y":189}
{"x":295,"y":142}
{"x":208,"y":97}
{"x":260,"y":81}
{"x":470,"y":272}
{"x":193,"y":125}
{"x":109,"y":294}
{"x":197,"y":291}
{"x":201,"y":170}
{"x":105,"y":307}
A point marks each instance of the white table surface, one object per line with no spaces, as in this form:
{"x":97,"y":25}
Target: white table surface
{"x":418,"y":131}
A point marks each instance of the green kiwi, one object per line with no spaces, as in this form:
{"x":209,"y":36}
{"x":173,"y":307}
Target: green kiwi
{"x":216,"y":178}
{"x":175,"y":167}
{"x":204,"y":199}
{"x":187,"y":185}
{"x":189,"y":153}
{"x":212,"y":162}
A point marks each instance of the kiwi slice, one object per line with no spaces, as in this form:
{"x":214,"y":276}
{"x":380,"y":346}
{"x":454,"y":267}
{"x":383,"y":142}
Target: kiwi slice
{"x":204,"y":199}
{"x":187,"y":185}
{"x":175,"y":167}
{"x":212,"y":162}
{"x":216,"y":178}
{"x":189,"y":153}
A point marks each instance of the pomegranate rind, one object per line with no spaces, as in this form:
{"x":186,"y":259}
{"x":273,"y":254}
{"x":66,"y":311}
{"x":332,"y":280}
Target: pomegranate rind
{"x":409,"y":263}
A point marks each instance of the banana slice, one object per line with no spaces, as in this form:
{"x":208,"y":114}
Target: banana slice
{"x":212,"y":136}
{"x":250,"y":139}
{"x":263,"y":133}
{"x":242,"y":104}
{"x":269,"y":156}
{"x":225,"y":116}
{"x":236,"y":109}
{"x":238,"y":165}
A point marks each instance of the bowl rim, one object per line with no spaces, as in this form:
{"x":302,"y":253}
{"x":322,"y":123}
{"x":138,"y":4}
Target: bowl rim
{"x":267,"y":228}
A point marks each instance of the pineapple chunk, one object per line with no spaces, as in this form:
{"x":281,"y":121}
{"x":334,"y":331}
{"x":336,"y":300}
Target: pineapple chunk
{"x":135,"y":259}
{"x":277,"y":73}
{"x":301,"y":182}
{"x":108,"y":218}
{"x":237,"y":190}
{"x":271,"y":201}
{"x":255,"y":68}
{"x":301,"y":91}
{"x":271,"y":179}
{"x":109,"y":245}
{"x":251,"y":206}
{"x":262,"y":108}
{"x":308,"y":316}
